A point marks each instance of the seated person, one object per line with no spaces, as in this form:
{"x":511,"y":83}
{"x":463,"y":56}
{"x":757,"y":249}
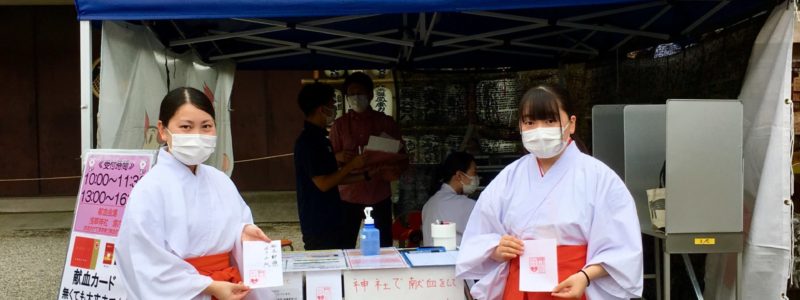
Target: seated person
{"x":456,"y":178}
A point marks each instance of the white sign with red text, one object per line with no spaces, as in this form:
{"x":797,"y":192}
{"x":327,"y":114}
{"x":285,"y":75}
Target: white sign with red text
{"x":430,"y":283}
{"x":538,"y":266}
{"x":263,"y":264}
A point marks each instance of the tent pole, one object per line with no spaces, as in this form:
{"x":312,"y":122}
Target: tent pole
{"x":516,"y":43}
{"x":487,"y":34}
{"x":453,"y":52}
{"x":644,"y":26}
{"x":705,"y":17}
{"x":87,"y":120}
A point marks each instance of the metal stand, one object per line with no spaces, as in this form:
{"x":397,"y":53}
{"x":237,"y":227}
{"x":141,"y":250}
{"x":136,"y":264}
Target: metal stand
{"x":667,"y":284}
{"x":690,"y":270}
{"x":658,"y":268}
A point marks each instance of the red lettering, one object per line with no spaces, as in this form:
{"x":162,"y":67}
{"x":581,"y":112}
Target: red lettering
{"x":431,"y":283}
{"x":414,"y":284}
{"x":451,"y":282}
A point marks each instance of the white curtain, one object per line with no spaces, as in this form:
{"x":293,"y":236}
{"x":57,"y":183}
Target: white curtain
{"x":768,"y":179}
{"x":135,"y":68}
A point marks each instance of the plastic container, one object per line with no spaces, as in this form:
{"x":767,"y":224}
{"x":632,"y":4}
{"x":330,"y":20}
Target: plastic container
{"x":370,"y":236}
{"x":444,"y":235}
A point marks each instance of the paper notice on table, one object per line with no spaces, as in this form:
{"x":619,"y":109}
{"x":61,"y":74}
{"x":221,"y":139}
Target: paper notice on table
{"x":263,"y":264}
{"x":314,"y":260}
{"x":324,"y":285}
{"x":292,"y":288}
{"x":388,"y":258}
{"x":382,"y":144}
{"x":538,"y":266}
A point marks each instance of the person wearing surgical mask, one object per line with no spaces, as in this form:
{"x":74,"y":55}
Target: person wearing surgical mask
{"x":349,"y":135}
{"x":184,"y":223}
{"x":553,"y":193}
{"x":456,"y":179}
{"x":318,"y":175}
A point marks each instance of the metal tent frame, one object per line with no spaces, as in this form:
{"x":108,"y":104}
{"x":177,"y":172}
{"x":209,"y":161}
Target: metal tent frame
{"x":525,"y":38}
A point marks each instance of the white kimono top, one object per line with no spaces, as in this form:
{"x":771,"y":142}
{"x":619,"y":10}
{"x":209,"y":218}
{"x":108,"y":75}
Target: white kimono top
{"x":579,"y":201}
{"x":446,"y":205}
{"x":172,"y":215}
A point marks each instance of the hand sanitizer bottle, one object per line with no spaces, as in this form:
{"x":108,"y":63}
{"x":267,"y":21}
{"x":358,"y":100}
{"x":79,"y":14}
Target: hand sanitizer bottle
{"x":370,"y":236}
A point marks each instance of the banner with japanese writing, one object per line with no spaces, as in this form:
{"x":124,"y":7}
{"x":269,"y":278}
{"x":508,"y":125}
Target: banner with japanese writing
{"x":430,"y":283}
{"x":90,"y":270}
{"x":136,"y":71}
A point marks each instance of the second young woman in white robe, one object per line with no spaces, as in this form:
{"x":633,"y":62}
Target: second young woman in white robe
{"x":173,"y":215}
{"x":579,"y":201}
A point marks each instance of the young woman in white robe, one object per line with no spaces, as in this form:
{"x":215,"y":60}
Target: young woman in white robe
{"x":456,"y":178}
{"x":556,"y":192}
{"x":183,"y":211}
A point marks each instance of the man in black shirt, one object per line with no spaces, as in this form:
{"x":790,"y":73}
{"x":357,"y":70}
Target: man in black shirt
{"x":318,"y":175}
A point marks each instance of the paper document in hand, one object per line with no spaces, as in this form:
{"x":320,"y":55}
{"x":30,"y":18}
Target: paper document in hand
{"x":263,"y":264}
{"x":383,"y":144}
{"x":538,"y":266}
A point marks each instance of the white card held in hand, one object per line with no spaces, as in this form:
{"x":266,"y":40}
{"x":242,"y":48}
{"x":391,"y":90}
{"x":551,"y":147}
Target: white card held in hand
{"x":263,"y":264}
{"x":538,"y":266}
{"x":384,"y":144}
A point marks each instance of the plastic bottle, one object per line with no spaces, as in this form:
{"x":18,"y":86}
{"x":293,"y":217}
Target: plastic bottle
{"x":370,"y":236}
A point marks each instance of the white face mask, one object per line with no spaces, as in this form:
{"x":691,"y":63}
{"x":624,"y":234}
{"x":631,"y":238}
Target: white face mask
{"x":545,"y":142}
{"x":192,"y":149}
{"x":359,"y":103}
{"x":472,"y":186}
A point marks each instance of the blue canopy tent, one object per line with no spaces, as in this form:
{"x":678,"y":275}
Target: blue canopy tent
{"x":410,"y":34}
{"x":419,"y":34}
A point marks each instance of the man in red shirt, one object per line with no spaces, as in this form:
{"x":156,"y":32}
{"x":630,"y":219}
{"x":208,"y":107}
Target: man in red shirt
{"x":349,"y":135}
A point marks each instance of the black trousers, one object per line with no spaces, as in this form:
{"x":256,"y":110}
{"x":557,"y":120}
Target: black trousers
{"x":354,"y":213}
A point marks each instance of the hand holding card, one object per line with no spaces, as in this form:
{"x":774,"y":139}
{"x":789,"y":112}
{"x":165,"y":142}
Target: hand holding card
{"x":263,"y":264}
{"x":538,"y":266}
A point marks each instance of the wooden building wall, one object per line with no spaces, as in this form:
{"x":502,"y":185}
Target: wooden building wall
{"x":40,"y":115}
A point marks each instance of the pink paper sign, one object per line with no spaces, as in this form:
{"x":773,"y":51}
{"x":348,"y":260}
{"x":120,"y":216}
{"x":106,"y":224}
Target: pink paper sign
{"x":105,"y":187}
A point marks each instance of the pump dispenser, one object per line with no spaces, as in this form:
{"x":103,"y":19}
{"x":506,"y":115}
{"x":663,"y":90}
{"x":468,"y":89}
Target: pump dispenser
{"x":370,"y":236}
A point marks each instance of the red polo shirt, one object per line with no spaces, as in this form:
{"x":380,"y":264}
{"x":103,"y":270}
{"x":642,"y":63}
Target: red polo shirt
{"x":351,"y":131}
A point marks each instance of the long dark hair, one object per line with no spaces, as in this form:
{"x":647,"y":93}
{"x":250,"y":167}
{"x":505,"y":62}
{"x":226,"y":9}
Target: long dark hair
{"x":543,"y":103}
{"x":180,"y":96}
{"x":455,"y":162}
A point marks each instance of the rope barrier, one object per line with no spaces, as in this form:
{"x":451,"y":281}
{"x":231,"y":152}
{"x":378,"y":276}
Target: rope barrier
{"x":78,"y":177}
{"x":264,"y":158}
{"x":38,"y":179}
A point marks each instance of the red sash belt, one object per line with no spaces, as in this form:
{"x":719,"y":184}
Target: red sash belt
{"x":217,"y":266}
{"x":570,"y":260}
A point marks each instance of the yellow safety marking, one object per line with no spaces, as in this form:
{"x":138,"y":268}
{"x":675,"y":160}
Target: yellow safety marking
{"x":705,"y":241}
